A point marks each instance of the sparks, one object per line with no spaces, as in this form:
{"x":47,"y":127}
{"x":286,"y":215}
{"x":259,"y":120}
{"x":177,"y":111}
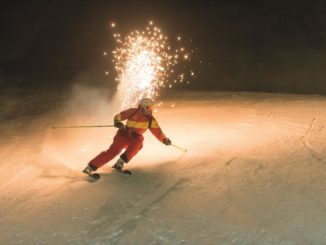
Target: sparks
{"x":144,"y":61}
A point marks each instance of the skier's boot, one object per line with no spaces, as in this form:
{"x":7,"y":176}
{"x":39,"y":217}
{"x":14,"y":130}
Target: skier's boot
{"x":119,"y":164}
{"x":88,"y":170}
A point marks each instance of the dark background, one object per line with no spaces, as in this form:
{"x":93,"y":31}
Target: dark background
{"x":275,"y":46}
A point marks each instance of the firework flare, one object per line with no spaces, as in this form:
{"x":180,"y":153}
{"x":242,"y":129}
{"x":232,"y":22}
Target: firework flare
{"x":145,"y":61}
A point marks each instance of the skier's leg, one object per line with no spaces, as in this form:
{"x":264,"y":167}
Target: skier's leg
{"x":134,"y":146}
{"x":119,"y":142}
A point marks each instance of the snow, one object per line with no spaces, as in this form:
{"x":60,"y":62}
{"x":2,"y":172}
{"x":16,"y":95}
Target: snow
{"x":254,"y":172}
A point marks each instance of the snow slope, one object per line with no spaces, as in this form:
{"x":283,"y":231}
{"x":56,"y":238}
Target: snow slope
{"x":254,"y":173}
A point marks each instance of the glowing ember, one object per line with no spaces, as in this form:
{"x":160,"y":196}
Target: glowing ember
{"x":144,"y":61}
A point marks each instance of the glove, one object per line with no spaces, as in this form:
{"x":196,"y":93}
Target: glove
{"x":167,"y":141}
{"x":119,"y":125}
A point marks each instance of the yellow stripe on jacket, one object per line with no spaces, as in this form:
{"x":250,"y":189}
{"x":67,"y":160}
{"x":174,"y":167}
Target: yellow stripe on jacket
{"x":139,"y":125}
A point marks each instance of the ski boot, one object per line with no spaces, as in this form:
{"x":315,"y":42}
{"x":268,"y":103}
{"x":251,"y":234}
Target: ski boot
{"x":119,"y":166}
{"x":88,"y":170}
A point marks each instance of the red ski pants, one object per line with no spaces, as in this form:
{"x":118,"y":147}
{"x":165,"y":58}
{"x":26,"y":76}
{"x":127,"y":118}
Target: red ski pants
{"x":122,"y":140}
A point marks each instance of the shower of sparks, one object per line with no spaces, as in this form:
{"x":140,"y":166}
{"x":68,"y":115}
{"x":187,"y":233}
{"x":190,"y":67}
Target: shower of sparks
{"x":145,"y":61}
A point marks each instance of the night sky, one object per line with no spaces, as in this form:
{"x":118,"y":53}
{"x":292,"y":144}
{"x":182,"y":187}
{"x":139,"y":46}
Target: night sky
{"x":273,"y":46}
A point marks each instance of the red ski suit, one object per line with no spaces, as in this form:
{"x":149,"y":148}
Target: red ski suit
{"x":131,"y":138}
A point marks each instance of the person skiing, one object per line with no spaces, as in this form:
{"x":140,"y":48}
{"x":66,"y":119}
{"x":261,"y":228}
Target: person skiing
{"x":129,"y":136}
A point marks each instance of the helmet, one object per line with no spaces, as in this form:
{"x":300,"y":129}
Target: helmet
{"x":146,"y":104}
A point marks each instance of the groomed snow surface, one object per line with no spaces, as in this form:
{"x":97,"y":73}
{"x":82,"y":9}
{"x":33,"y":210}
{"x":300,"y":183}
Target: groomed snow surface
{"x":254,"y":172}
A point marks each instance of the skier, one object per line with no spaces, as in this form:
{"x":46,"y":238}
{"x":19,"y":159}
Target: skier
{"x":129,"y":136}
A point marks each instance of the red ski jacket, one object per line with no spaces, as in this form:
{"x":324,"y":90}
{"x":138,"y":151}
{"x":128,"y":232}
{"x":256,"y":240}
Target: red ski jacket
{"x":138,"y":122}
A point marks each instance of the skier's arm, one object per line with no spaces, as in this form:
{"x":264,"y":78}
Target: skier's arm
{"x":158,"y":133}
{"x":124,"y":115}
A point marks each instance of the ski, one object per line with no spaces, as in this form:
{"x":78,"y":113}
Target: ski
{"x":94,"y":176}
{"x":97,"y":176}
{"x":123,"y":171}
{"x":88,"y":171}
{"x":126,"y":172}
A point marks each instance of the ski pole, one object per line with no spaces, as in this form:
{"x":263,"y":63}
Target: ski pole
{"x":84,"y":126}
{"x":180,"y":148}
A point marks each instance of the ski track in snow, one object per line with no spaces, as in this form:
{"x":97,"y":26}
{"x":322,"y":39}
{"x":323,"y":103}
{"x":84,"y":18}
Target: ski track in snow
{"x":254,"y":174}
{"x":305,"y":139}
